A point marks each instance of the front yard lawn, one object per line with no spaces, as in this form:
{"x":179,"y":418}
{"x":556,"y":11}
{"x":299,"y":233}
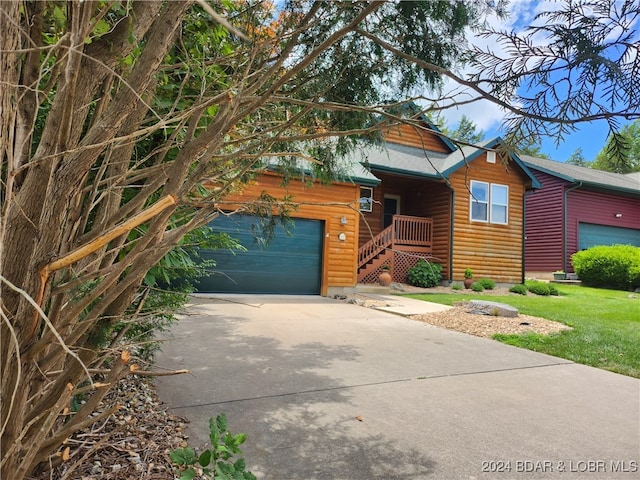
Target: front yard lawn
{"x":606,"y":325}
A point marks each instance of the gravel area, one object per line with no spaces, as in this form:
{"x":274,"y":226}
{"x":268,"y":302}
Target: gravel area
{"x":460,"y":320}
{"x":134,"y":443}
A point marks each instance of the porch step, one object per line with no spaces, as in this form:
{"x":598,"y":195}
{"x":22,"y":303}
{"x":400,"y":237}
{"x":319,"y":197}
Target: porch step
{"x":371,"y":288}
{"x":566,"y":282}
{"x":375,"y":263}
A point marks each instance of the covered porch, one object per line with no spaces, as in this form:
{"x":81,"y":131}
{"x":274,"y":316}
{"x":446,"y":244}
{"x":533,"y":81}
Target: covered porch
{"x":409,"y":219}
{"x":399,"y":247}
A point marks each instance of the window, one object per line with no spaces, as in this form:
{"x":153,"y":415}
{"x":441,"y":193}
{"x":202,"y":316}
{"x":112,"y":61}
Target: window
{"x":479,"y":201}
{"x":499,"y":203}
{"x":489,"y":202}
{"x":366,"y":199}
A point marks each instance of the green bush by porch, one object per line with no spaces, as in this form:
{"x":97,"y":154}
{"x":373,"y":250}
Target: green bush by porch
{"x":425,"y":274}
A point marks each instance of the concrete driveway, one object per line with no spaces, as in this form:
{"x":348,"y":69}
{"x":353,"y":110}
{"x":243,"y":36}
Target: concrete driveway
{"x":329,"y":390}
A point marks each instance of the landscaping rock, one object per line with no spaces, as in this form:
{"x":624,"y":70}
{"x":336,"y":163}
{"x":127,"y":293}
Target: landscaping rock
{"x":494,"y":309}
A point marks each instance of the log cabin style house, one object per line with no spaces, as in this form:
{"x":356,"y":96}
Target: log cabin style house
{"x":461,"y":207}
{"x":420,"y":196}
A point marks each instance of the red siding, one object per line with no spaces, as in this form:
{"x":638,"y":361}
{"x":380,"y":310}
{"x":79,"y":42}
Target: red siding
{"x":599,"y":208}
{"x":544,"y":225}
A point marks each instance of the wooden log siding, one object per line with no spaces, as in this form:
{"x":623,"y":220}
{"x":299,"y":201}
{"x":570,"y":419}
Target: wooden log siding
{"x":371,"y":222}
{"x":544,"y":225}
{"x":490,"y":250}
{"x":437,"y":199}
{"x":420,"y":198}
{"x":415,"y":137}
{"x":319,"y":202}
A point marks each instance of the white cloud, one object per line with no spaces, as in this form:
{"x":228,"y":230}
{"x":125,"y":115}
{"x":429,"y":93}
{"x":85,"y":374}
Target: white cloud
{"x":485,"y":114}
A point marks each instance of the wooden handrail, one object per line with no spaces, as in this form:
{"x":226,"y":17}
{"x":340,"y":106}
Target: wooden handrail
{"x":374,"y":246}
{"x":412,"y":230}
{"x":404,"y":230}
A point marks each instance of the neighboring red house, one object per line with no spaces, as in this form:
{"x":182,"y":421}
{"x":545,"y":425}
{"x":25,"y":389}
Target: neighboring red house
{"x":576,"y":208}
{"x":461,"y":207}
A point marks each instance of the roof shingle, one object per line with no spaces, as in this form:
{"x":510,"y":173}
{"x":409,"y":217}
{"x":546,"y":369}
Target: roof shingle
{"x":590,"y":176}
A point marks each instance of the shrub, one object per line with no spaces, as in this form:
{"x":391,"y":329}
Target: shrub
{"x":520,"y":289}
{"x":539,"y":288}
{"x":477,"y":287}
{"x":553,"y":290}
{"x":634,"y":275}
{"x":610,"y":266}
{"x":487,"y":283}
{"x":216,"y":462}
{"x":425,"y":274}
{"x":457,"y":286}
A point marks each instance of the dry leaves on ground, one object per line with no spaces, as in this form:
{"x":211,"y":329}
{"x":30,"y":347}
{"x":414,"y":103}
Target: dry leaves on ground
{"x":134,"y":443}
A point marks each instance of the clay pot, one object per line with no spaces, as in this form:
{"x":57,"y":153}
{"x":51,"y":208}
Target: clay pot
{"x":385,"y":279}
{"x":468,"y":282}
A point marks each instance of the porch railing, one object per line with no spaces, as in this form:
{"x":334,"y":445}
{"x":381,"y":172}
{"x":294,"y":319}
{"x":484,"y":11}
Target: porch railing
{"x":404,"y":230}
{"x":412,"y":230}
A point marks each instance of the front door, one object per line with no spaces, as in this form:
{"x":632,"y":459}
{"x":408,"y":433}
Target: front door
{"x":391,"y":208}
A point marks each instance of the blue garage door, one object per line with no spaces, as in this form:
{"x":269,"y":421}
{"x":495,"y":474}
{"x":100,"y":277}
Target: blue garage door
{"x":590,"y":234}
{"x":290,"y":264}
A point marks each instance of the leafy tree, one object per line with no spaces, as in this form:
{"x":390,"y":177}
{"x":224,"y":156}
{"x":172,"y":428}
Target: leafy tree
{"x":621,"y":154}
{"x":123,"y":126}
{"x":577,"y":158}
{"x":115,"y":115}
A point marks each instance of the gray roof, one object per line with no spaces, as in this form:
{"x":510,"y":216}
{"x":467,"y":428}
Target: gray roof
{"x":401,"y":158}
{"x":357,"y":173}
{"x":417,"y":162}
{"x":588,"y":176}
{"x":635,"y":176}
{"x":345,"y":171}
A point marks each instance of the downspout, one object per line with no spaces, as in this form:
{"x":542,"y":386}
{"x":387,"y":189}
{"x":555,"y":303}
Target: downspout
{"x":451,"y":229}
{"x":524,"y":235}
{"x":564,"y":225}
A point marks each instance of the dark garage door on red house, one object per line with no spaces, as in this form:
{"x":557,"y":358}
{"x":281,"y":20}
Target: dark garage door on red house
{"x":590,"y":234}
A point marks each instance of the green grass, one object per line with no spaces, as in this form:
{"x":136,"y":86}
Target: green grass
{"x":606,"y":325}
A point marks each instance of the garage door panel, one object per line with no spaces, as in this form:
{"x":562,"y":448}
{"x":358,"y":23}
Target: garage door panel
{"x":290,"y":264}
{"x":590,"y":234}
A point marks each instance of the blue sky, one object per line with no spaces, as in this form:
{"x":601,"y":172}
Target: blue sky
{"x":591,"y":137}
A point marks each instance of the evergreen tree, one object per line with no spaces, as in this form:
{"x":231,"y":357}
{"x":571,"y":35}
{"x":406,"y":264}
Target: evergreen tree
{"x":531,"y":146}
{"x":621,"y":153}
{"x":577,"y":158}
{"x":466,"y":131}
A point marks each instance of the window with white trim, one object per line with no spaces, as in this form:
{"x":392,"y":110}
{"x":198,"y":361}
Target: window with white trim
{"x":366,"y":199}
{"x":479,"y":201}
{"x":499,"y":203}
{"x":489,"y":202}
